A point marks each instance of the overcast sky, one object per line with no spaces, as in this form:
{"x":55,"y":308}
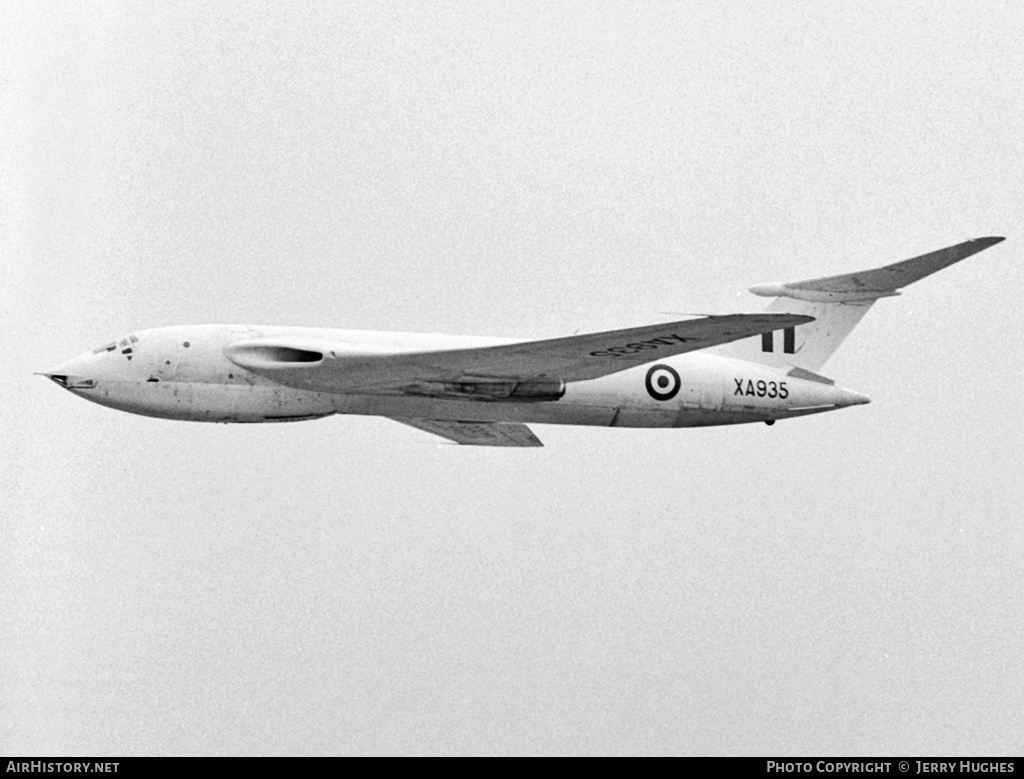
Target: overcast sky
{"x":842,"y":584}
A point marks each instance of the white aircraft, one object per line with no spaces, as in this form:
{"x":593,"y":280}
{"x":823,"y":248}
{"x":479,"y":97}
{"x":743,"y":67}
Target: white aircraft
{"x":715,"y":370}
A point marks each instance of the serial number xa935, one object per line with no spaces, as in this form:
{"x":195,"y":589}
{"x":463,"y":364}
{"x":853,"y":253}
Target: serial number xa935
{"x":761,"y":388}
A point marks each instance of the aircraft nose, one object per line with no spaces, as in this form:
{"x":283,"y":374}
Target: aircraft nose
{"x":72,"y":375}
{"x":68,"y":381}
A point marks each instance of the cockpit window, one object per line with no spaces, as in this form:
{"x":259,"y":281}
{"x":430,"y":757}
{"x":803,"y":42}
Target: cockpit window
{"x":125,"y":345}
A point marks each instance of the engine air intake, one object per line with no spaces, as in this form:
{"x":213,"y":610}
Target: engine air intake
{"x":272,"y":355}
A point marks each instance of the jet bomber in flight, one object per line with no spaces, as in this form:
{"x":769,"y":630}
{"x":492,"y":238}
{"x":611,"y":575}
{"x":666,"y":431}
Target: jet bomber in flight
{"x":710,"y":370}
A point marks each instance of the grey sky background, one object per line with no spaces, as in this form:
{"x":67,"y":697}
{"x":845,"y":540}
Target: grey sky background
{"x":843,"y":584}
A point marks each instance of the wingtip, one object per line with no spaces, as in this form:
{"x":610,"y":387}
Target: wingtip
{"x":990,"y":240}
{"x":798,"y":319}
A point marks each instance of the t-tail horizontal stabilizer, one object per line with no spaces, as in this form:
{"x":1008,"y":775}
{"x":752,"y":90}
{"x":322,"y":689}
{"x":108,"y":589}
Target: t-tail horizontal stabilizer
{"x":882,"y":282}
{"x":837,"y":304}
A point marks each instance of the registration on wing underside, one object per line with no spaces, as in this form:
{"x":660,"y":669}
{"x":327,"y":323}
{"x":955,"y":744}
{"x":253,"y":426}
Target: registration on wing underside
{"x":640,"y":346}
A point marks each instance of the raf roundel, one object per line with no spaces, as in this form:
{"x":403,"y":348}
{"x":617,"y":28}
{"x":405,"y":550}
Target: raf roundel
{"x":662,"y":382}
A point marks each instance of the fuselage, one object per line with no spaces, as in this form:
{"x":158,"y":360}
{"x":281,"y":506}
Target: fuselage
{"x":187,"y":373}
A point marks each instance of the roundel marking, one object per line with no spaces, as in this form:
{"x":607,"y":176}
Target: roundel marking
{"x":662,"y":382}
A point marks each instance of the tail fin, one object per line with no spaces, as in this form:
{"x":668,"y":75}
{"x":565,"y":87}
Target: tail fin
{"x":837,"y":304}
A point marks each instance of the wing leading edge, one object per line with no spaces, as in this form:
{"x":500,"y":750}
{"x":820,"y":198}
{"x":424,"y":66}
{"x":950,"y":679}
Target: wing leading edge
{"x":344,"y":367}
{"x":592,"y":355}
